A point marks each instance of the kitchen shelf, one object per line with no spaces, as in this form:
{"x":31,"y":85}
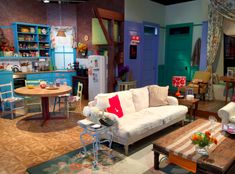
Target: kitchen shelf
{"x":26,"y":58}
{"x":27,"y":35}
{"x":27,"y":41}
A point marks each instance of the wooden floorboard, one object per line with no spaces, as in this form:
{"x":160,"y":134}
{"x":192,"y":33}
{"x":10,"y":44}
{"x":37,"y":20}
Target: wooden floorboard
{"x":207,"y":108}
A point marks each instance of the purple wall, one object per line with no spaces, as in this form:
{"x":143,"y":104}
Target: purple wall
{"x":134,"y":64}
{"x":203,"y":57}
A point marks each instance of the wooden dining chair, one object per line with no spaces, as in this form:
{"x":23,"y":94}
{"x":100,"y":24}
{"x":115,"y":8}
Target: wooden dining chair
{"x":32,"y":101}
{"x":8,"y":100}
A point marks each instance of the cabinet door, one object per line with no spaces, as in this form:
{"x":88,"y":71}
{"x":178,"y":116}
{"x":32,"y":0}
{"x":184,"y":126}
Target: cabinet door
{"x":42,"y":76}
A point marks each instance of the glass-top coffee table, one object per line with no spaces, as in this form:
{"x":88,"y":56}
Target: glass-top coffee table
{"x":99,"y":135}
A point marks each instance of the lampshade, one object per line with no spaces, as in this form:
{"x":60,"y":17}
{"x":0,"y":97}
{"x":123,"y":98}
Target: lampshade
{"x":102,"y":101}
{"x":178,"y":81}
{"x":61,"y":33}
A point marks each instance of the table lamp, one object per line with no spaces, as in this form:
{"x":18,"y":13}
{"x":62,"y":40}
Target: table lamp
{"x":178,"y":81}
{"x":102,"y":102}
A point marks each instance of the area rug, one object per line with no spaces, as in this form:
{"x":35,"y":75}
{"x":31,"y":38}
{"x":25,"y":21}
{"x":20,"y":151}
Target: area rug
{"x":110,"y":162}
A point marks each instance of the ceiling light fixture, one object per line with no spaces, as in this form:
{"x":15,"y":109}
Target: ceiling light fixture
{"x":46,"y":1}
{"x":61,"y":32}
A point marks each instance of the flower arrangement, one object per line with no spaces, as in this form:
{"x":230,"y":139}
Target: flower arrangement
{"x":82,"y":48}
{"x":122,"y":71}
{"x":203,"y":139}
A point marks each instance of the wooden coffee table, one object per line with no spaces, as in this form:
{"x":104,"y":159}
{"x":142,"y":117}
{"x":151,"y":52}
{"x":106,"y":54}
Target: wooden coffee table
{"x":221,"y":159}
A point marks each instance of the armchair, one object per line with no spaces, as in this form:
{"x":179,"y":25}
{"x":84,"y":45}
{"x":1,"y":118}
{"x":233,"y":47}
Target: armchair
{"x":199,"y":84}
{"x":227,"y":113}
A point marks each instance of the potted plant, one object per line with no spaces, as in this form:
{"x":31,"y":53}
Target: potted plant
{"x":82,"y":49}
{"x":202,"y":141}
{"x":122,"y":72}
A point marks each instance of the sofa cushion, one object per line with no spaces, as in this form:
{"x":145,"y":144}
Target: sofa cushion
{"x":167,"y":113}
{"x":140,"y":98}
{"x":158,"y":95}
{"x":133,"y":125}
{"x":115,"y":106}
{"x":126,"y":101}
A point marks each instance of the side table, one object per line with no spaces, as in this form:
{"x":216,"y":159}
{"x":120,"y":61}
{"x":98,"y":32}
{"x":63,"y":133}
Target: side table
{"x":96,"y":134}
{"x":192,"y":105}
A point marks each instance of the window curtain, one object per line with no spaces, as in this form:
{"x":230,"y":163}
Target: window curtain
{"x":218,"y":10}
{"x":68,"y":41}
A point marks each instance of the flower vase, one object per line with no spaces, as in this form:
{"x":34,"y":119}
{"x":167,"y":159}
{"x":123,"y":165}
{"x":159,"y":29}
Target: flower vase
{"x":123,"y":77}
{"x":202,"y":150}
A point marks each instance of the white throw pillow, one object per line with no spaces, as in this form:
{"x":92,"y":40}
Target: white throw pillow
{"x":126,"y":102}
{"x":140,"y":98}
{"x":158,"y":95}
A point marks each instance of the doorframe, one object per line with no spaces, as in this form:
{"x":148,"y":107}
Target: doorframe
{"x":157,"y":26}
{"x":167,"y":61}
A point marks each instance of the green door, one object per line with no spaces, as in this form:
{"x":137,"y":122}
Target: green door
{"x":178,"y":51}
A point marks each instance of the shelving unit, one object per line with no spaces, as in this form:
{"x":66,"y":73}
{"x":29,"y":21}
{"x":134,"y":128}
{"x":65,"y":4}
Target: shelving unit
{"x":229,"y":52}
{"x":31,"y":40}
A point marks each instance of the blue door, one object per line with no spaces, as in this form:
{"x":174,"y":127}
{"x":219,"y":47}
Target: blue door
{"x":150,"y":55}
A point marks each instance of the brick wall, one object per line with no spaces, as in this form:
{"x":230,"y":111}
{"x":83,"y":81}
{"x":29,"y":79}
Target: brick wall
{"x":33,"y":11}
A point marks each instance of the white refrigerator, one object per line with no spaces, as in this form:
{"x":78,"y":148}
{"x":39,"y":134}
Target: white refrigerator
{"x":97,"y":75}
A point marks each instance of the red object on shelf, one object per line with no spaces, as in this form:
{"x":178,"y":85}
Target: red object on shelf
{"x":179,"y":82}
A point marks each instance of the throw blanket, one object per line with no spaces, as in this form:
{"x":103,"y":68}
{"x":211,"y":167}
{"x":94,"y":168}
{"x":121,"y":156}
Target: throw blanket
{"x":184,"y":148}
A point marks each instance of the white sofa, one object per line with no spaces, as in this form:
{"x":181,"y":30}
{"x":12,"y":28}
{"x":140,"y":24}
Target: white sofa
{"x":139,"y":119}
{"x":227,"y":113}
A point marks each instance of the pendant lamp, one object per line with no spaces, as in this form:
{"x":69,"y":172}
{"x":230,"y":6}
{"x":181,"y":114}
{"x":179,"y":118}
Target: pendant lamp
{"x":61,"y":32}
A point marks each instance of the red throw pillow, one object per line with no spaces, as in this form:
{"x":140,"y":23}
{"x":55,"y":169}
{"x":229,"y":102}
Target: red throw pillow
{"x":115,"y":106}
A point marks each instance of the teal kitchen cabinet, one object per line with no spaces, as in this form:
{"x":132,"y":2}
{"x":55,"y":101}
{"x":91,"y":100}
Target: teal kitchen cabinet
{"x":6,"y":77}
{"x":47,"y":76}
{"x":64,"y":76}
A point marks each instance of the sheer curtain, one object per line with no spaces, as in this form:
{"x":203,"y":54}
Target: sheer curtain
{"x":218,"y":11}
{"x":63,"y":47}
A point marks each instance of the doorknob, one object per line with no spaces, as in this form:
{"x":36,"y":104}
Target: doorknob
{"x":186,"y":68}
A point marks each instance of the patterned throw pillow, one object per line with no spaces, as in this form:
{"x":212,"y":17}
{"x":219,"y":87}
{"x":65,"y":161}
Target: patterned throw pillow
{"x":158,"y":95}
{"x":115,"y":106}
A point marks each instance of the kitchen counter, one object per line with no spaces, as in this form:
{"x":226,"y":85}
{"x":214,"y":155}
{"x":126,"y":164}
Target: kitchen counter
{"x":39,"y":72}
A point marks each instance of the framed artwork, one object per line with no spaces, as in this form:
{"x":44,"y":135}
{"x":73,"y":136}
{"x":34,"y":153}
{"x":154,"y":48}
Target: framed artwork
{"x":133,"y":51}
{"x":189,"y":91}
{"x":230,"y":73}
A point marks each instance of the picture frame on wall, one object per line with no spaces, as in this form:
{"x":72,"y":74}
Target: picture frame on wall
{"x":133,"y":51}
{"x":230,"y":73}
{"x":189,"y":91}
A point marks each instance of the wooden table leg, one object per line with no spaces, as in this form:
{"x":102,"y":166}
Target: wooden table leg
{"x":156,"y":160}
{"x":194,"y":111}
{"x":227,"y":89}
{"x":45,"y":110}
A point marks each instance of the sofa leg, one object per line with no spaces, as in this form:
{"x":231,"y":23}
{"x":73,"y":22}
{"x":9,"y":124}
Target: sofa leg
{"x":126,"y":149}
{"x":182,"y":123}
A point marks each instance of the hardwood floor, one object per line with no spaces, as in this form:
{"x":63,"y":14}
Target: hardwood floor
{"x":25,"y":143}
{"x":207,"y":108}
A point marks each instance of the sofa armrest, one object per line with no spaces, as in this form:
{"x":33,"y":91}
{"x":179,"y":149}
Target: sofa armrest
{"x":172,"y":100}
{"x":111,"y":116}
{"x":225,"y":112}
{"x":94,"y":114}
{"x":92,"y":103}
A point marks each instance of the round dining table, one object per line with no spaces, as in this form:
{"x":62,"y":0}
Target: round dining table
{"x":44,"y":93}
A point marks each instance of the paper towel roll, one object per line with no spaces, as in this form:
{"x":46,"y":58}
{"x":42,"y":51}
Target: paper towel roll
{"x":189,"y":97}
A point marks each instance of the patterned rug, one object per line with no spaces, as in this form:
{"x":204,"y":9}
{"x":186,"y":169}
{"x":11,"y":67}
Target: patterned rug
{"x":109,"y":162}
